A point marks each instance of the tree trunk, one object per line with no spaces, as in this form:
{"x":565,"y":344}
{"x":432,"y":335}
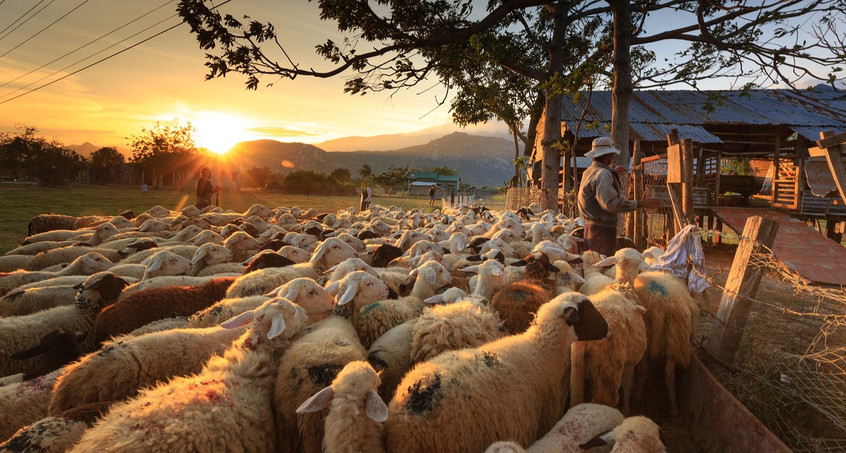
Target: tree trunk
{"x":622,"y":93}
{"x":516,"y":159}
{"x":552,"y":118}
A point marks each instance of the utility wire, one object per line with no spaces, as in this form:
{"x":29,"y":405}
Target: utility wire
{"x":27,"y":19}
{"x":45,"y":28}
{"x":102,"y":59}
{"x":88,"y":44}
{"x":92,"y":55}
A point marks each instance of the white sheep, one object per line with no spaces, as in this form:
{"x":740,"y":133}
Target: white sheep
{"x":209,"y":254}
{"x":595,"y":279}
{"x":609,"y":363}
{"x":25,"y":402}
{"x":579,"y":425}
{"x":634,"y":435}
{"x":230,"y":389}
{"x":430,"y":410}
{"x":329,"y":253}
{"x":25,"y":302}
{"x":652,"y":254}
{"x":164,"y":263}
{"x":242,"y":246}
{"x":22,"y":332}
{"x":491,"y":278}
{"x":309,"y":364}
{"x":356,"y":412}
{"x":90,"y":263}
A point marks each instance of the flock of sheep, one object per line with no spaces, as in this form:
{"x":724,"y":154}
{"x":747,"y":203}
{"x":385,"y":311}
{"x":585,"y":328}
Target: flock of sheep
{"x":460,"y":330}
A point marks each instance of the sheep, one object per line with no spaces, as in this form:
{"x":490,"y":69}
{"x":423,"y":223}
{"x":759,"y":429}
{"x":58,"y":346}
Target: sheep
{"x":59,"y":347}
{"x":163,"y":263}
{"x":170,"y":280}
{"x":609,"y":363}
{"x":634,"y":435}
{"x":356,"y":412}
{"x":206,"y":237}
{"x":578,"y":426}
{"x":11,"y":263}
{"x":329,"y":253}
{"x":186,"y":251}
{"x":311,"y":363}
{"x":232,"y":394}
{"x":242,"y":246}
{"x":670,"y":314}
{"x":390,"y":355}
{"x":123,"y":366}
{"x":25,"y":302}
{"x":491,"y":278}
{"x":133,"y":310}
{"x":90,"y":263}
{"x":595,"y":280}
{"x":158,"y":211}
{"x":48,"y":222}
{"x":54,"y":434}
{"x":207,"y":255}
{"x":463,"y":324}
{"x":22,"y":332}
{"x":652,"y":254}
{"x":429,"y":411}
{"x":38,"y":247}
{"x":265,"y":259}
{"x":25,"y":402}
{"x":378,"y":317}
{"x":567,"y":279}
{"x":359,"y":287}
{"x":518,"y":302}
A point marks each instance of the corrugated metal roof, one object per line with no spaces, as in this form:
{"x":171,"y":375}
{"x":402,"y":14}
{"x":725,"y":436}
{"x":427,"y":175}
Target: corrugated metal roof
{"x":653,"y":113}
{"x":812,"y":133}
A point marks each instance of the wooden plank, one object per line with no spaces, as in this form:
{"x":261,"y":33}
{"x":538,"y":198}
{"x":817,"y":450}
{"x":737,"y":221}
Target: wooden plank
{"x":653,"y":158}
{"x":835,"y":164}
{"x":674,"y":164}
{"x":830,"y":139}
{"x":637,"y":192}
{"x":687,"y":180}
{"x":741,"y":286}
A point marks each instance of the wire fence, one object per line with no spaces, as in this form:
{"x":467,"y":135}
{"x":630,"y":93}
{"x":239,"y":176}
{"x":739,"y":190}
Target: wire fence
{"x":794,"y":377}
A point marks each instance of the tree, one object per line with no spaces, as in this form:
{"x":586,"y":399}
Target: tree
{"x":166,"y":150}
{"x":365,"y":171}
{"x":341,"y":174}
{"x":259,"y":176}
{"x":106,"y":161}
{"x":445,"y":171}
{"x":395,"y":177}
{"x":28,"y":156}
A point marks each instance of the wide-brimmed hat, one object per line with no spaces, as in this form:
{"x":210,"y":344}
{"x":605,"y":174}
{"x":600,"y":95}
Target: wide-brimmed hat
{"x":600,"y":147}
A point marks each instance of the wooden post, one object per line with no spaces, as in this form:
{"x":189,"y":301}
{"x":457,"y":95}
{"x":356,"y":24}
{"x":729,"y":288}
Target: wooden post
{"x":830,"y":147}
{"x":674,"y":180}
{"x":638,"y":235}
{"x":741,"y":286}
{"x":687,"y":180}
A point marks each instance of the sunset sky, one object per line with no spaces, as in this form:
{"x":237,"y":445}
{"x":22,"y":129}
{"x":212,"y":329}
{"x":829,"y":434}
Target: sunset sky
{"x":164,"y":78}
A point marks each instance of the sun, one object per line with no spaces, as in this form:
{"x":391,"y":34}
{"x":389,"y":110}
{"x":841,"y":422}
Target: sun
{"x":219,"y":132}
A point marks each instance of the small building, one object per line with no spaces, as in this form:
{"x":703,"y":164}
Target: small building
{"x":419,"y":183}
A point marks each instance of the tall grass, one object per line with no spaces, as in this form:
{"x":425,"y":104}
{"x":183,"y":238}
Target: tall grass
{"x":20,"y":202}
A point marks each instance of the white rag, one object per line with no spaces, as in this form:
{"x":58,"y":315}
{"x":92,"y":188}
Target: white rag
{"x":685,"y":247}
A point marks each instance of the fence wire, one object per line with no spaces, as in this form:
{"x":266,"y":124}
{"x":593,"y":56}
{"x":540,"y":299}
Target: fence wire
{"x":800,"y":397}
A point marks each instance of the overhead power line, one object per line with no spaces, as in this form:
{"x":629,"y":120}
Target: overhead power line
{"x":27,"y":19}
{"x":102,"y":59}
{"x":45,"y":28}
{"x":87,"y":44}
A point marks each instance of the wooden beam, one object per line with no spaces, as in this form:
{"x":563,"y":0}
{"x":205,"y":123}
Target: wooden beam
{"x":687,"y":180}
{"x":638,"y":235}
{"x":828,"y":139}
{"x":741,"y":287}
{"x":835,"y":161}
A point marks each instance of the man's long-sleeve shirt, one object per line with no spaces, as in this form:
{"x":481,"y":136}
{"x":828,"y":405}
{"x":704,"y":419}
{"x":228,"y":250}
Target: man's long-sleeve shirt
{"x":601,"y":196}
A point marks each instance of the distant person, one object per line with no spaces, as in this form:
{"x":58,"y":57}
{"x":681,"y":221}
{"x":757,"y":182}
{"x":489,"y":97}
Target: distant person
{"x":144,"y":189}
{"x":205,"y":189}
{"x":452,"y":196}
{"x":432,"y":190}
{"x":365,"y":196}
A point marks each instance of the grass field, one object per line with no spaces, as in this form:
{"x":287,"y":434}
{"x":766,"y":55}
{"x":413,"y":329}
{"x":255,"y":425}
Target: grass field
{"x":20,"y":202}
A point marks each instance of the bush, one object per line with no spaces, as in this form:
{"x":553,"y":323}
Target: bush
{"x":314,"y":183}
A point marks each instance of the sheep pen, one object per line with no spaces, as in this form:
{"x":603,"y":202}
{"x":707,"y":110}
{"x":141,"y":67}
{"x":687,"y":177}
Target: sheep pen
{"x":769,"y":288}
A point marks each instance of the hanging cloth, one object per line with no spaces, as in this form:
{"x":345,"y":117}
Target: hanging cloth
{"x":686,"y":246}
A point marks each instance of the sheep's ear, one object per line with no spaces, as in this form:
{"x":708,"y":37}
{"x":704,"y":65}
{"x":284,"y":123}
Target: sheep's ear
{"x":474,"y":269}
{"x":431,"y":276}
{"x":571,"y":257}
{"x":277,"y":326}
{"x":551,"y":267}
{"x":519,"y":263}
{"x":598,"y":441}
{"x":291,"y":294}
{"x":500,"y":257}
{"x":154,"y":265}
{"x":474,"y":258}
{"x":36,"y":350}
{"x":496,"y":271}
{"x":577,"y":260}
{"x":318,"y":254}
{"x":333,"y":287}
{"x":575,"y":277}
{"x":201,"y":253}
{"x":273,"y":292}
{"x":461,"y":245}
{"x":348,"y":295}
{"x":318,"y":401}
{"x":375,"y":408}
{"x":607,"y":262}
{"x":331,"y":269}
{"x":436,"y":299}
{"x":238,"y":321}
{"x":644,"y":267}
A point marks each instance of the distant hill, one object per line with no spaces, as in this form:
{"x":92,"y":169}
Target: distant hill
{"x":479,"y":160}
{"x":87,"y":148}
{"x":387,"y":142}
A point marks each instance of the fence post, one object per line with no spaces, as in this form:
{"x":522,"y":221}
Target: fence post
{"x":741,"y":286}
{"x":637,"y":191}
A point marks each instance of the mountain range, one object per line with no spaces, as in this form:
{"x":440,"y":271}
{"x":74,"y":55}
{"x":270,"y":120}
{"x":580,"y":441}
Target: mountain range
{"x":478,"y":160}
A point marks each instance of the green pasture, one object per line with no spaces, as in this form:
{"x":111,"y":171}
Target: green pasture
{"x":20,"y":202}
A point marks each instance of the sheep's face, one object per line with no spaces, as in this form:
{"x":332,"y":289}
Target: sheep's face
{"x":207,"y":237}
{"x":91,"y":263}
{"x":259,"y":210}
{"x":505,"y":235}
{"x":435,"y":274}
{"x":166,"y":263}
{"x":191,"y":211}
{"x":213,"y":254}
{"x":276,"y":318}
{"x":306,"y":293}
{"x":360,"y":288}
{"x":286,"y":219}
{"x":294,"y":254}
{"x":229,"y":230}
{"x":333,"y":251}
{"x":354,"y":242}
{"x":577,"y":312}
{"x":120,"y":222}
{"x":421,"y":247}
{"x":350,"y":265}
{"x":303,"y":241}
{"x":158,"y":211}
{"x":240,"y":243}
